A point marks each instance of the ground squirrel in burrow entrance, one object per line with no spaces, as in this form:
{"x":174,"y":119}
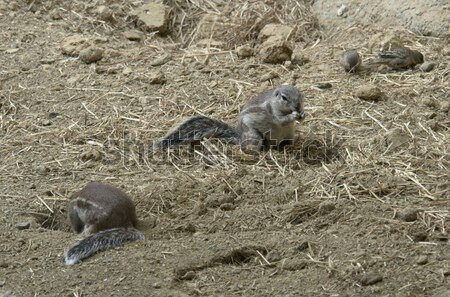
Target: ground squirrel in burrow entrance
{"x":105,"y":215}
{"x":265,"y":121}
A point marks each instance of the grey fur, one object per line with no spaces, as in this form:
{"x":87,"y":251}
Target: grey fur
{"x":102,"y":240}
{"x":265,"y":120}
{"x":350,"y":61}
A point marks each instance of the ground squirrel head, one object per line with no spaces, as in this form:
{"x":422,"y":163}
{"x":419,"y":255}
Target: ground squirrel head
{"x":287,"y":99}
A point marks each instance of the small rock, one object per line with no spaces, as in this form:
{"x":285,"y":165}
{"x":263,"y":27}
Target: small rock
{"x":53,"y":114}
{"x":323,"y":85}
{"x":46,"y":122}
{"x":427,"y":66}
{"x":91,"y":54}
{"x":23,"y":225}
{"x":369,"y":93}
{"x":190,"y":275}
{"x":326,"y":207}
{"x":276,"y":33}
{"x":72,"y":45}
{"x":302,"y":246}
{"x":420,"y":236}
{"x":133,"y":35}
{"x":408,"y":214}
{"x":127,"y":71}
{"x":269,"y":76}
{"x":56,"y":14}
{"x":153,"y":17}
{"x":445,"y":106}
{"x":104,"y":13}
{"x":227,"y":206}
{"x":275,"y":52}
{"x":156,"y":285}
{"x":200,"y":209}
{"x":161,"y":60}
{"x":273,"y":256}
{"x":422,"y":260}
{"x":298,"y":58}
{"x":341,"y":10}
{"x":244,"y":51}
{"x":295,"y":264}
{"x":91,"y":154}
{"x":371,"y":278}
{"x":157,"y":78}
{"x":288,"y":65}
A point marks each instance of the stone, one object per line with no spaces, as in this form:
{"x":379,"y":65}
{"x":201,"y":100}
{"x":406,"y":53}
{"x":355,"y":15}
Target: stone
{"x":297,"y":57}
{"x":157,"y":78}
{"x":23,"y":225}
{"x":91,"y":54}
{"x":371,"y":278}
{"x":294,"y":264}
{"x":244,"y":51}
{"x":153,"y":17}
{"x":104,"y":13}
{"x":275,"y":52}
{"x":276,"y":33}
{"x":422,"y":260}
{"x":427,"y":66}
{"x":408,"y":214}
{"x":369,"y":93}
{"x":72,"y":45}
{"x":133,"y":35}
{"x":161,"y":60}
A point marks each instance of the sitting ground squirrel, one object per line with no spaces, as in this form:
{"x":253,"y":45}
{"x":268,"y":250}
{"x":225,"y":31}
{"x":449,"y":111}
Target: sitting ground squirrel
{"x":105,"y":215}
{"x":266,"y":120}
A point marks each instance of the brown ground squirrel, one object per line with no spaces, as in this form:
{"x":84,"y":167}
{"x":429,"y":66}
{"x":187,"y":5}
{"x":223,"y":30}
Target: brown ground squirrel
{"x":399,"y":58}
{"x":105,"y":215}
{"x":266,"y":120}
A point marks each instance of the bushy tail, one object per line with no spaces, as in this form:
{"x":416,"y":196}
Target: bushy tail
{"x":102,"y":240}
{"x":197,"y":128}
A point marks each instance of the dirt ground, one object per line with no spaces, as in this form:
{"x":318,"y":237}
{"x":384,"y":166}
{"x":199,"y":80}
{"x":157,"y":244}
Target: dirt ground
{"x":358,"y":206}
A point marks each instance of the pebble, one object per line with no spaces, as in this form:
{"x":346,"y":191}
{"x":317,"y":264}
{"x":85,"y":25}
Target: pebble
{"x":91,"y":54}
{"x":161,"y":60}
{"x":244,"y":51}
{"x":369,"y":93}
{"x":23,"y":225}
{"x":295,"y":264}
{"x":427,"y":66}
{"x":407,"y":214}
{"x":422,"y":260}
{"x":133,"y":35}
{"x":371,"y":278}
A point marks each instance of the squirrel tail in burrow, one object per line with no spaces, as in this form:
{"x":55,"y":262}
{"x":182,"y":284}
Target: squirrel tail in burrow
{"x":103,"y":240}
{"x":196,"y":128}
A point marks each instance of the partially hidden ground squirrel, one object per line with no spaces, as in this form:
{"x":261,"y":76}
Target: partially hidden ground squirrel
{"x":399,"y":58}
{"x":266,"y":120}
{"x":105,"y":215}
{"x":350,"y":61}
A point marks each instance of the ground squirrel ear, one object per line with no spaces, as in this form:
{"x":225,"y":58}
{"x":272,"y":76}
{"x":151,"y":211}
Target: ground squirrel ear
{"x":276,"y":93}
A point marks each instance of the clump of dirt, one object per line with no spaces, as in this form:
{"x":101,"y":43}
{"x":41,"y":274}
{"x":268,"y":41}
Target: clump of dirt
{"x":358,"y":205}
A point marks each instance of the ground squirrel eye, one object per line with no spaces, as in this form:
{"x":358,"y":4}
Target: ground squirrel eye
{"x":284,"y":97}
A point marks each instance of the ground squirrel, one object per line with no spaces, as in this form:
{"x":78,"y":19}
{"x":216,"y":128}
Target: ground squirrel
{"x":350,"y":61}
{"x":399,"y":58}
{"x":266,"y":120}
{"x":105,"y":215}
